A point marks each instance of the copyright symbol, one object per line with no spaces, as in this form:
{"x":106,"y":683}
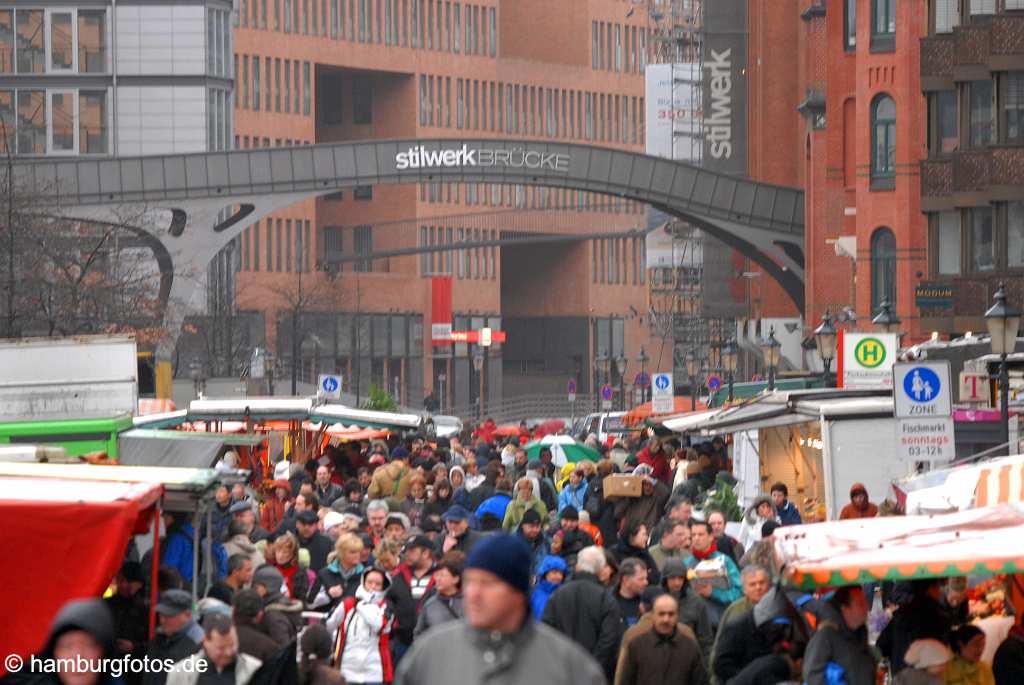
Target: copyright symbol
{"x":13,"y":663}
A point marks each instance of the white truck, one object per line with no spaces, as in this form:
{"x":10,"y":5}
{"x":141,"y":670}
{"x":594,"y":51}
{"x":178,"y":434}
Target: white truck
{"x":47,"y":379}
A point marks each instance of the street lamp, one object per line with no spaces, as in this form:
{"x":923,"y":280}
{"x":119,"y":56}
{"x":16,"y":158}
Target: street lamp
{"x":478,"y":365}
{"x":730,"y":356}
{"x":886,"y":321}
{"x":692,"y":367}
{"x":620,"y":365}
{"x":195,"y":371}
{"x":642,"y":360}
{"x":772,"y":350}
{"x":1003,"y":322}
{"x":825,"y":338}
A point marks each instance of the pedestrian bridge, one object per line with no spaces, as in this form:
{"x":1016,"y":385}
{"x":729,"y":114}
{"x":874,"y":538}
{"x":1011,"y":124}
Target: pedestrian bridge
{"x":184,"y":196}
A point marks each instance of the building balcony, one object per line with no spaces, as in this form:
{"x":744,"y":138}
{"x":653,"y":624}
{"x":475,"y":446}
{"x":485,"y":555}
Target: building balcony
{"x":969,"y":177}
{"x":971,"y":52}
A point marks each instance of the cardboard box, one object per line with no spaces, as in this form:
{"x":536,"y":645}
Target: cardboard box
{"x":620,"y":485}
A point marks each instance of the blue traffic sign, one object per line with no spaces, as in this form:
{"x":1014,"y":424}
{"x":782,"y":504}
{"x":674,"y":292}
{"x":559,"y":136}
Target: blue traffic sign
{"x":662,"y":381}
{"x":922,"y":385}
{"x":642,"y":380}
{"x":606,"y":392}
{"x":571,"y":387}
{"x":329,"y":384}
{"x":713,"y":383}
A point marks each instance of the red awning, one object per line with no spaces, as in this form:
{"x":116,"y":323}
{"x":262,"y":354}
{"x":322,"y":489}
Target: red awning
{"x":64,"y":539}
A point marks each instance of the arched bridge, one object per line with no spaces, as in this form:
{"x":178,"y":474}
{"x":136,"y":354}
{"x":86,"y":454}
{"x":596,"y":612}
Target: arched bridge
{"x":764,"y":222}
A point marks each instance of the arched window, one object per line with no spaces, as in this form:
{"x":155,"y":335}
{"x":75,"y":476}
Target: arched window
{"x":883,"y":137}
{"x":883,"y":268}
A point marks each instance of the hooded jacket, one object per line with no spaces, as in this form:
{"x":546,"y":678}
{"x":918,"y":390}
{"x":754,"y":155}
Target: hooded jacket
{"x":496,"y":505}
{"x":90,"y":615}
{"x":362,"y":626}
{"x":241,"y":544}
{"x":282,"y":616}
{"x":543,"y":590}
{"x":750,"y":527}
{"x":852,"y":511}
{"x":438,"y":609}
{"x":517,"y":507}
{"x":390,"y":482}
{"x":573,"y":495}
{"x":835,"y":642}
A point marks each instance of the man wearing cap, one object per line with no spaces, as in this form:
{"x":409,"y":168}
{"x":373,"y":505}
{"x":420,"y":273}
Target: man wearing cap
{"x":178,"y":635}
{"x":568,"y":540}
{"x":245,"y":513}
{"x":304,"y":501}
{"x":335,"y":526}
{"x":497,"y":643}
{"x":282,"y":616}
{"x":312,"y":540}
{"x":583,"y":610}
{"x":393,"y":480}
{"x":531,"y":531}
{"x":395,"y":527}
{"x":459,"y":535}
{"x":662,"y":654}
{"x":693,"y":613}
{"x":410,"y":581}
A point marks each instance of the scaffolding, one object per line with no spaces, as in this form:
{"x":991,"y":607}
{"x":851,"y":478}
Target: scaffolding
{"x":681,"y":312}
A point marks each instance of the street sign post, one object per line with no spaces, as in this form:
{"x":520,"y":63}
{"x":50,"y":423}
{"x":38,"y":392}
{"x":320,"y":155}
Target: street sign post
{"x":571,"y":388}
{"x":923,"y":403}
{"x":868,"y":359}
{"x":662,"y":395}
{"x":606,"y":397}
{"x":329,"y":386}
{"x":713,"y":383}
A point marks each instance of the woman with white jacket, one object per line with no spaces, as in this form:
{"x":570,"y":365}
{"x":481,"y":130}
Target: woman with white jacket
{"x":760,"y":511}
{"x":361,"y":626}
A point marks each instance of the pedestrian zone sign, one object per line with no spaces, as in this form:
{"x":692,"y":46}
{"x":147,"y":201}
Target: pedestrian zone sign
{"x":867,"y":360}
{"x":662,"y":397}
{"x":329,"y":386}
{"x":922,"y":389}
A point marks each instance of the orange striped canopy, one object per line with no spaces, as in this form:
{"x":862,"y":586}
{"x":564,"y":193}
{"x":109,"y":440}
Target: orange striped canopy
{"x":1000,"y":483}
{"x":859,"y":551}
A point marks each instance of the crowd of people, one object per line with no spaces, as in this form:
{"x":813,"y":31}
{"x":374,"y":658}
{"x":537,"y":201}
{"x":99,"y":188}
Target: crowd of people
{"x":442,"y":562}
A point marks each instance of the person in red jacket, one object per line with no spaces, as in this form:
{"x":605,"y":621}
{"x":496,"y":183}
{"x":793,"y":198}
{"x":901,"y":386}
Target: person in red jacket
{"x":276,"y":506}
{"x":859,"y":507}
{"x":654,"y":455}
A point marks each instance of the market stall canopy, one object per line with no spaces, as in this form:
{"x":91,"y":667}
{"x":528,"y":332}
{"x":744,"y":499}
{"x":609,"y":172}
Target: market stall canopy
{"x":1000,"y":482}
{"x":978,"y":484}
{"x":64,"y":539}
{"x":161,"y":420}
{"x":683,"y":423}
{"x":859,"y":551}
{"x":345,"y":433}
{"x":339,"y":413}
{"x":257,"y":408}
{"x":183,"y":487}
{"x":141,"y":447}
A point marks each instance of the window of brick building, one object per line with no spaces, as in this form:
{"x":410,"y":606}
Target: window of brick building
{"x":883,"y":137}
{"x":883,"y":24}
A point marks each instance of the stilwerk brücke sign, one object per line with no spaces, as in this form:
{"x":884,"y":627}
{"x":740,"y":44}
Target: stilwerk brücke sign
{"x":420,"y":157}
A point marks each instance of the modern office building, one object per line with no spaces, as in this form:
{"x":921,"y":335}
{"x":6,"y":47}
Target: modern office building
{"x":972,"y":182}
{"x":312,"y":71}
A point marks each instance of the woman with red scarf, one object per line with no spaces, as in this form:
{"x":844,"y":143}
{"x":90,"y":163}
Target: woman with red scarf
{"x":286,"y":560}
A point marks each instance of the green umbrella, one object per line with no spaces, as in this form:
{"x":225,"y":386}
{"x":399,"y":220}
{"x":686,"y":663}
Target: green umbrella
{"x":564,"y":450}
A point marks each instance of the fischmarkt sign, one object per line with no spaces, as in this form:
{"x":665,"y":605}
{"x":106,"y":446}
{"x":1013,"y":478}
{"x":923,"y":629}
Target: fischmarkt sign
{"x":464,"y":156}
{"x":926,"y":439}
{"x":868,"y":359}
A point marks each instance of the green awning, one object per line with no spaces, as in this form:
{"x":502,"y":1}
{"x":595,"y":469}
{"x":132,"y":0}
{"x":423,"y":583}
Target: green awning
{"x":744,"y":391}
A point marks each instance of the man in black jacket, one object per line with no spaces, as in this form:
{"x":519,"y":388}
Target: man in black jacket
{"x":311,"y":539}
{"x":583,"y":610}
{"x":460,"y":537}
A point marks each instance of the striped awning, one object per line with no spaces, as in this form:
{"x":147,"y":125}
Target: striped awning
{"x":1001,"y":483}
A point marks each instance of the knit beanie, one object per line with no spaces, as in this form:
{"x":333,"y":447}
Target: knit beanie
{"x":506,"y":556}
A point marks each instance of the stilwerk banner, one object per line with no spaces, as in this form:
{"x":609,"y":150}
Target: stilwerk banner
{"x":421,"y":157}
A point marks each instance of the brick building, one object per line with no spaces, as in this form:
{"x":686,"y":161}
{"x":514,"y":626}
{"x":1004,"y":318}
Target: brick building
{"x":865,"y":125}
{"x":311,"y":71}
{"x":972,"y":183}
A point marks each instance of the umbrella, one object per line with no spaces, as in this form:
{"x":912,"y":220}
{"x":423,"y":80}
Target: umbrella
{"x":564,"y":450}
{"x":859,"y":551}
{"x":643,"y":411}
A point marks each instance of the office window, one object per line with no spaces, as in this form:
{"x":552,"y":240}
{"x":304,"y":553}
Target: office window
{"x":307,"y":88}
{"x":492,"y":17}
{"x":295,"y":18}
{"x":270,"y":245}
{"x":850,"y":24}
{"x":602,"y":41}
{"x":595,"y":51}
{"x":980,"y":114}
{"x":297,"y":91}
{"x":266,"y":71}
{"x":982,"y":239}
{"x":256,"y":84}
{"x":277,"y":85}
{"x":30,"y":42}
{"x":430,"y":24}
{"x":476,"y":105}
{"x":362,"y":193}
{"x":1015,"y":234}
{"x":362,"y":100}
{"x":363,"y":245}
{"x":288,"y":15}
{"x":948,"y":242}
{"x":277,"y":15}
{"x":92,"y":122}
{"x":883,"y":137}
{"x":288,"y":245}
{"x":883,"y":19}
{"x":92,"y":41}
{"x":945,"y":121}
{"x":883,"y":268}
{"x":255,"y":231}
{"x":1013,"y":106}
{"x":947,"y":15}
{"x":245,"y":82}
{"x":618,"y":47}
{"x":982,"y":8}
{"x":287,"y":85}
{"x":456,"y":27}
{"x":643,"y":49}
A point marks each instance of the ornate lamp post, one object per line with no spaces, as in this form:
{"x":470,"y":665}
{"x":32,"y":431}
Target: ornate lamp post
{"x":1003,"y":323}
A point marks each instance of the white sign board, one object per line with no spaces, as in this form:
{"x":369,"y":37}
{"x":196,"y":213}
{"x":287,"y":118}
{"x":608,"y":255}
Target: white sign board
{"x":974,"y":387}
{"x":868,"y":360}
{"x":329,"y":386}
{"x":921,"y":390}
{"x":662,"y":394}
{"x":926,"y":439}
{"x":674,"y":112}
